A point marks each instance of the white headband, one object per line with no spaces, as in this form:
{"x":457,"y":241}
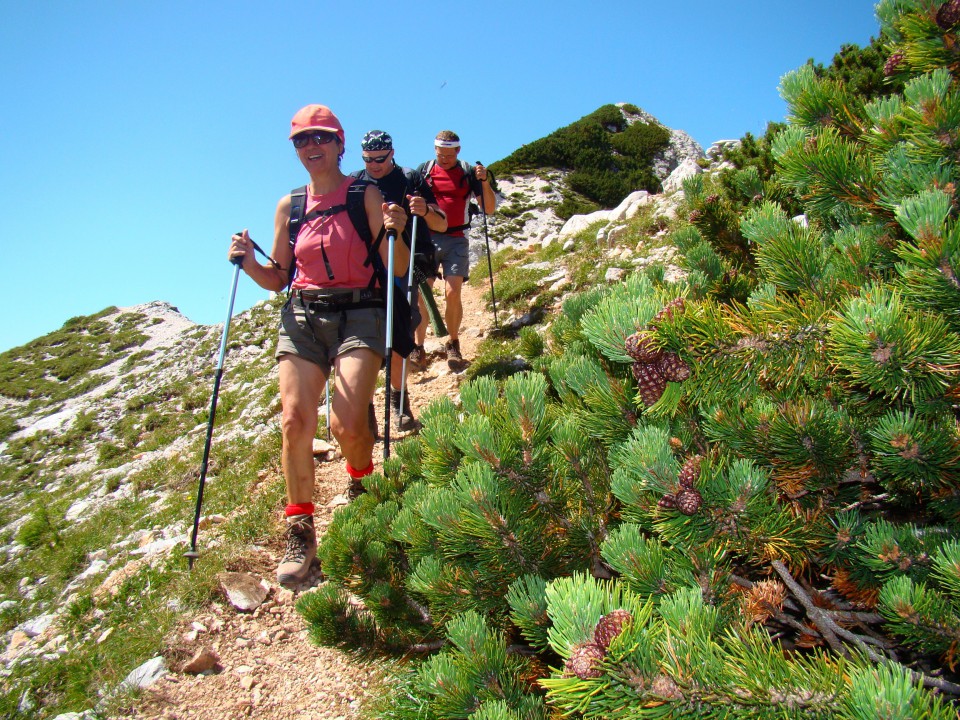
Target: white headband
{"x":446,"y":143}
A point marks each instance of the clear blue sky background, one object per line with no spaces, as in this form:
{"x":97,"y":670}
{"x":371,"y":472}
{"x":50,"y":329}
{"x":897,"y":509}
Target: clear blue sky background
{"x":135,"y":137}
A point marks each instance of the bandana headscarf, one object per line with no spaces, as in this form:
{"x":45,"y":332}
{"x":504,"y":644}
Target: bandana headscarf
{"x":376,"y":140}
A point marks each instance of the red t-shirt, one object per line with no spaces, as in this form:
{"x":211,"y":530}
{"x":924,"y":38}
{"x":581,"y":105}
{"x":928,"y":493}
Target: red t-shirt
{"x":452,"y":191}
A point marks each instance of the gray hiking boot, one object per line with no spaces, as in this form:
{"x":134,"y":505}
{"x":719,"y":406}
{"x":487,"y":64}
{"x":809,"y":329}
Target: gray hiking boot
{"x":301,"y":550}
{"x":454,"y":358}
{"x":403,"y":417}
{"x":356,"y":489}
{"x":418,"y":357}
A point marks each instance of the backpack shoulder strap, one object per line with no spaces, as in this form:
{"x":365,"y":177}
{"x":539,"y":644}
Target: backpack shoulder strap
{"x":357,"y":210}
{"x":298,"y":206}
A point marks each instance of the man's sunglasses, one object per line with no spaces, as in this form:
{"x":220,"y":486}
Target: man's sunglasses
{"x":378,"y":160}
{"x":318,"y":138}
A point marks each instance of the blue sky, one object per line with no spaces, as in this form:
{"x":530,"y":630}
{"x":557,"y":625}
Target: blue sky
{"x":136,"y":137}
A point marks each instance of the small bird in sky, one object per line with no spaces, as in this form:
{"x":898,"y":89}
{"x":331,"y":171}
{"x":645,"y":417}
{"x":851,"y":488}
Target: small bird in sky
{"x":443,"y":84}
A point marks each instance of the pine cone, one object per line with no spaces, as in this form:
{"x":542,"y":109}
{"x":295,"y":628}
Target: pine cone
{"x":949,"y":14}
{"x":650,"y":382}
{"x":639,"y":347}
{"x":667,"y":312}
{"x":584,"y":661}
{"x":609,"y":626}
{"x":893,"y":62}
{"x":673,"y":368}
{"x":711,"y":199}
{"x":695,"y":215}
{"x":689,"y":501}
{"x":690,"y":472}
{"x":667,"y":501}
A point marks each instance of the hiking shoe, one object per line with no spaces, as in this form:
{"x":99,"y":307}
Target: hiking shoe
{"x":418,"y":357}
{"x":404,"y":419}
{"x":372,"y":422}
{"x":454,"y":358}
{"x":355,"y":490}
{"x":301,"y":550}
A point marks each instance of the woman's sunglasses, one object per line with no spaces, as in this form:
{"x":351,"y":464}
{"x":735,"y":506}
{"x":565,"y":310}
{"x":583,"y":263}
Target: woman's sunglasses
{"x":318,"y":138}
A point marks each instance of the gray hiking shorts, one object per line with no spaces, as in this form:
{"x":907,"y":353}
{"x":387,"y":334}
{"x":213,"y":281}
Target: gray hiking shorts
{"x":453,"y":255}
{"x":320,"y":335}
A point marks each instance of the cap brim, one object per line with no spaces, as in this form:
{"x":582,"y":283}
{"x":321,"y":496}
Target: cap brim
{"x":332,"y":130}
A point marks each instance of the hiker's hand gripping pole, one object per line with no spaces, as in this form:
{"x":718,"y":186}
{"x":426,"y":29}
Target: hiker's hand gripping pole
{"x":486,"y":240}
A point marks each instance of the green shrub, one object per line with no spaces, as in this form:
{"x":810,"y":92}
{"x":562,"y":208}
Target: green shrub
{"x":608,"y":158}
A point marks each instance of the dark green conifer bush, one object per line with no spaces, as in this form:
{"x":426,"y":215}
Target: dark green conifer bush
{"x":607,"y":158}
{"x":701,"y":503}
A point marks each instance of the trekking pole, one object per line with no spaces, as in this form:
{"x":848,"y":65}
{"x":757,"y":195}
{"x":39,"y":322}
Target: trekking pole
{"x":486,"y":239}
{"x":413,"y":249}
{"x":192,"y":553}
{"x":391,"y":242}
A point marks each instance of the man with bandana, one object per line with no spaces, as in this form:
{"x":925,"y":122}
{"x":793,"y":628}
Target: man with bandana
{"x":454,"y":184}
{"x":406,"y":188}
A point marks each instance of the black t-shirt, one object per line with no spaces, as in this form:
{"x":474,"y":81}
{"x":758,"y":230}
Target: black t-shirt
{"x":395,"y":186}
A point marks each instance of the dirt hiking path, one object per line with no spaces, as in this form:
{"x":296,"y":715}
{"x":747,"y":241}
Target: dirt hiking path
{"x":269,"y":668}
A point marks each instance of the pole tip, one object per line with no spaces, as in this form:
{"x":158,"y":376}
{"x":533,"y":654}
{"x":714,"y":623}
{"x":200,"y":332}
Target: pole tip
{"x":191,"y":556}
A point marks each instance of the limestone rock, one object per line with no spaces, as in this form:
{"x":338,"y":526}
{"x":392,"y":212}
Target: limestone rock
{"x":244,"y":591}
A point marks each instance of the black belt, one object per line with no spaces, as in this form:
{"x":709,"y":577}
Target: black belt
{"x":337,"y":298}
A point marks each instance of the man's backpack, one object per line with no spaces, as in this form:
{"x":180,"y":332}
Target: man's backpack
{"x":357,"y":212}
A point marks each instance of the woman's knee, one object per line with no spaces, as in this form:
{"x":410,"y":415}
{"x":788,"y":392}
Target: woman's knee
{"x":297,"y":422}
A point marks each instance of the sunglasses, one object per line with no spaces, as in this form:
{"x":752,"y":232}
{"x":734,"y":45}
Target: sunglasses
{"x":318,"y":138}
{"x":378,"y":160}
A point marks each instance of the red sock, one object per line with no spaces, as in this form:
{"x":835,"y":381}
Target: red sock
{"x":357,"y":474}
{"x":299,"y":509}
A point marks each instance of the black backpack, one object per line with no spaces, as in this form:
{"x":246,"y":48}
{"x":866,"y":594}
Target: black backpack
{"x":357,"y":212}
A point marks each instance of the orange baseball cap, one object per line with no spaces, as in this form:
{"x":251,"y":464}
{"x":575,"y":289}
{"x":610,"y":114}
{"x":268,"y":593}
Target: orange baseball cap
{"x":316,"y":117}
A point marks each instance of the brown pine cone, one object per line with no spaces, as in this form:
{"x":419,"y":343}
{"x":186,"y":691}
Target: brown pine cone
{"x":695,"y":215}
{"x":690,"y":472}
{"x":639,"y":346}
{"x":673,"y":368}
{"x":609,"y":626}
{"x":667,"y":312}
{"x":948,"y":15}
{"x":650,"y":383}
{"x":689,"y":501}
{"x":893,"y":62}
{"x":585,"y":660}
{"x":667,"y":501}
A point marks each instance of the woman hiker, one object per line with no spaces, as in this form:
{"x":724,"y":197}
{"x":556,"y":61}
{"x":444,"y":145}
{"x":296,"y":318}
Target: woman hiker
{"x":335,"y":315}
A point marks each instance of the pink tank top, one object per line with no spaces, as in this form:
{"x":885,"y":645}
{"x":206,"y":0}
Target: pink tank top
{"x":334,"y":236}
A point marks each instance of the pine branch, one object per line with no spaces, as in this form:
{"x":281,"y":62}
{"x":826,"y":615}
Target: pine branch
{"x":830,"y":631}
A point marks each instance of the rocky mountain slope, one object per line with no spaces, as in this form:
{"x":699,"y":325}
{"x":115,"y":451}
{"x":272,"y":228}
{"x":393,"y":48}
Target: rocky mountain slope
{"x":102,"y":424}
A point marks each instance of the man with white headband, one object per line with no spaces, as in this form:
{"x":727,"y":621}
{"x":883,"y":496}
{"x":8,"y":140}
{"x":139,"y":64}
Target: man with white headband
{"x":454,"y":184}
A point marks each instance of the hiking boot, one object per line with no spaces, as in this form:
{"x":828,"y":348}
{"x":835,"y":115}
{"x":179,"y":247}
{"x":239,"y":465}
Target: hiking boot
{"x":454,"y":358}
{"x":355,"y":490}
{"x":372,"y":422}
{"x":301,"y":550}
{"x":404,"y":419}
{"x":418,"y":357}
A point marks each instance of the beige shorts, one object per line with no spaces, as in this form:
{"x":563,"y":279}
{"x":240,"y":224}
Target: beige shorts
{"x":321,"y":335}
